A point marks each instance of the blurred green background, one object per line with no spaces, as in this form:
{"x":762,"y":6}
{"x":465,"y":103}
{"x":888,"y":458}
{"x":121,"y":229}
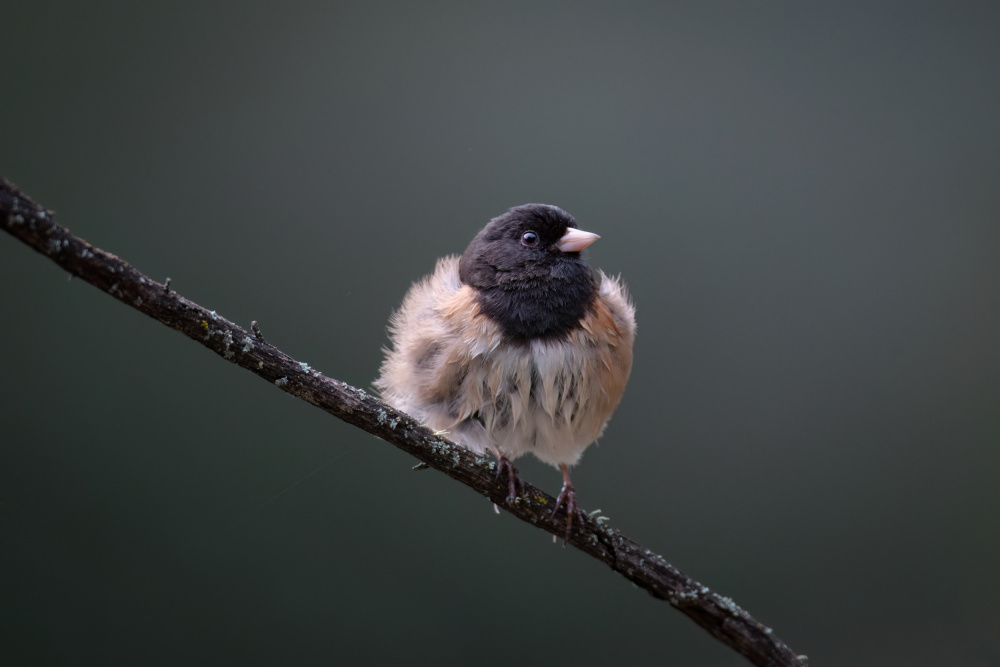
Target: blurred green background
{"x":803,"y":199}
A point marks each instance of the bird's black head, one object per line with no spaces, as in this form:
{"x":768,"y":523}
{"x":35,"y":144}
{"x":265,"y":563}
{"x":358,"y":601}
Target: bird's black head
{"x":528,"y":273}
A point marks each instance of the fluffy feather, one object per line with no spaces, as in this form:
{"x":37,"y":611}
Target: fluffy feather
{"x":452,"y":368}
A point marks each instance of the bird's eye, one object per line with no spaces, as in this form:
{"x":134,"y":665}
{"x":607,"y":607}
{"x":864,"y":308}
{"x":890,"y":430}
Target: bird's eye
{"x":529,"y":239}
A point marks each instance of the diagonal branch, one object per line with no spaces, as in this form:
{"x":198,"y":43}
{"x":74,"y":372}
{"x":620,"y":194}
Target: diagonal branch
{"x":720,"y":616}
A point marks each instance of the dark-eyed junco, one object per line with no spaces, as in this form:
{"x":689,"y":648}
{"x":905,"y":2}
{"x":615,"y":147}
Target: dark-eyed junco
{"x":516,"y":346}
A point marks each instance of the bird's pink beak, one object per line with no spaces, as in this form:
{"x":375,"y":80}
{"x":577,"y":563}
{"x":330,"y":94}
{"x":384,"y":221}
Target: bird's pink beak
{"x":575,"y":240}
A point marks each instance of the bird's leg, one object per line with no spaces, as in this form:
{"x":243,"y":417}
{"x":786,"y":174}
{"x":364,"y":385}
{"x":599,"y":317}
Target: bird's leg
{"x":505,"y":467}
{"x":566,"y":497}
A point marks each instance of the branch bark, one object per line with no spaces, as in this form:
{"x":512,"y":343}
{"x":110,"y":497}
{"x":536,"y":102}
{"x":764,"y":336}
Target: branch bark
{"x":720,"y":616}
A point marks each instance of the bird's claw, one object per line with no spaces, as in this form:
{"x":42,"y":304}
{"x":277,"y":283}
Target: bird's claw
{"x":567,"y":497}
{"x":514,"y":485}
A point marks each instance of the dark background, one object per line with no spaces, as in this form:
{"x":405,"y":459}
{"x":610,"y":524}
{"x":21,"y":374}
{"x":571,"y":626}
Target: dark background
{"x":803,"y":200}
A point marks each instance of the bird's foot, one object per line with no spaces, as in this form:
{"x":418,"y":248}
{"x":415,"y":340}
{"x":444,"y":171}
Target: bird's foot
{"x":567,"y":497}
{"x":514,"y":485}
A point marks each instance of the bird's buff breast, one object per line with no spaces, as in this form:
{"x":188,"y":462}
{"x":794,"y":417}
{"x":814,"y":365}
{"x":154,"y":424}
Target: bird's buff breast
{"x":544,"y":397}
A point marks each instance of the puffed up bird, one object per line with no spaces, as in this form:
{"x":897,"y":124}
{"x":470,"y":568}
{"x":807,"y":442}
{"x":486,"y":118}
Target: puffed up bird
{"x":516,"y":346}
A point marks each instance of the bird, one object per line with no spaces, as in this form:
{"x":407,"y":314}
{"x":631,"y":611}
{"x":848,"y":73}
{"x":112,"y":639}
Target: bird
{"x":515,"y":347}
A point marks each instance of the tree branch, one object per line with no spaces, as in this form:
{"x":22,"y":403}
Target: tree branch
{"x":720,"y":616}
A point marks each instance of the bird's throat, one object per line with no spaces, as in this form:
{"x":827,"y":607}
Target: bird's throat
{"x":538,"y":311}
